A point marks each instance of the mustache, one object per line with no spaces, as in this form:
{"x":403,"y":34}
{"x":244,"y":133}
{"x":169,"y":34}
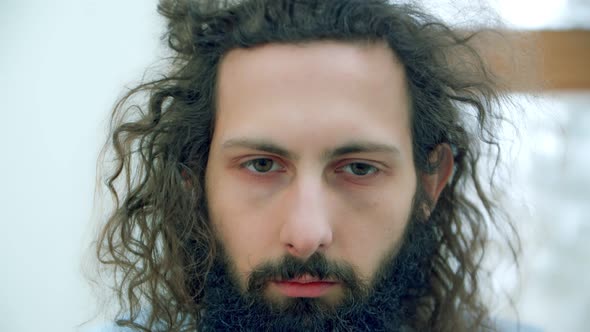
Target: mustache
{"x":290,"y":267}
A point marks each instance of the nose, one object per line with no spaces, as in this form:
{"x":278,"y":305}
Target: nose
{"x":306,"y":226}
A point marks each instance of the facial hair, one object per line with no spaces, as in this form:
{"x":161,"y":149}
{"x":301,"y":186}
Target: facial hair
{"x":388,"y":304}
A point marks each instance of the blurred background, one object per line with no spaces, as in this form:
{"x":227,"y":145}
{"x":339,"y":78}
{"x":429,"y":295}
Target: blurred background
{"x":64,"y":63}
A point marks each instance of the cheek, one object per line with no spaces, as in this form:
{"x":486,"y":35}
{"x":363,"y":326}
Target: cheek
{"x":242,"y":224}
{"x":373,"y":227}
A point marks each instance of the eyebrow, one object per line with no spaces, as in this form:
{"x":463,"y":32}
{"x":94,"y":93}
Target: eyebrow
{"x":344,"y":149}
{"x":260,"y":145}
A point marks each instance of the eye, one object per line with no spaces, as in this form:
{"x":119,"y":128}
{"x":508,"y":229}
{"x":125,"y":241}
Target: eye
{"x":359,"y":169}
{"x":262,"y":165}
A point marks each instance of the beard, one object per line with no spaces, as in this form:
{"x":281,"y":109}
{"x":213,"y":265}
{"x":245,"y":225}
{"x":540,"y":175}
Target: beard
{"x":388,"y":303}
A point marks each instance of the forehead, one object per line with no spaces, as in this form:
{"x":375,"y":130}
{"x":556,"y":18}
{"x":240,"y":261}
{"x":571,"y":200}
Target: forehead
{"x":366,"y":65}
{"x":300,"y":90}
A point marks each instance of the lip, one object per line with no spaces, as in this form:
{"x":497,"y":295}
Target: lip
{"x":304,"y":287}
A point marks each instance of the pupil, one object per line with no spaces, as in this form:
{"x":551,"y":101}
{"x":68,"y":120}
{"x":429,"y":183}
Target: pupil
{"x":263,"y":165}
{"x":359,"y":169}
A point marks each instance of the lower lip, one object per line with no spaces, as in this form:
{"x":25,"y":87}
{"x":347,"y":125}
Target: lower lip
{"x":310,"y":289}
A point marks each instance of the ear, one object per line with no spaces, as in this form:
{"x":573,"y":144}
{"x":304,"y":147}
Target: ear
{"x":186,"y":179}
{"x":434,"y":183}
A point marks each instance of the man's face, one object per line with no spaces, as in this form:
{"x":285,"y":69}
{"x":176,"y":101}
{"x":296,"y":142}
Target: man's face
{"x":311,"y":154}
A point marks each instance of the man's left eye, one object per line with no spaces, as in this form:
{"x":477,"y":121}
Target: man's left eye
{"x":360,"y":169}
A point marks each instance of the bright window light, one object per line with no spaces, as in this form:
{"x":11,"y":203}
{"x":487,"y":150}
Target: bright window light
{"x":531,"y":14}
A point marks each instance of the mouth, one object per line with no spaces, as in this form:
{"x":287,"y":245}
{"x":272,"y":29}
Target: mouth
{"x":305,"y":286}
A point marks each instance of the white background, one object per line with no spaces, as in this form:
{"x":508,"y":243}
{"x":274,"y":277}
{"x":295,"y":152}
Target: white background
{"x":62,"y":66}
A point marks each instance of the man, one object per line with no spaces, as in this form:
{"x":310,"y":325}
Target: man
{"x":306,"y":165}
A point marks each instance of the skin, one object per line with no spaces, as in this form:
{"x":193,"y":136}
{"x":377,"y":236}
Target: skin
{"x":312,"y":152}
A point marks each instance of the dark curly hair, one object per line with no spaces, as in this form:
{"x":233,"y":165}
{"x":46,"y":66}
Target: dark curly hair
{"x":158,"y":239}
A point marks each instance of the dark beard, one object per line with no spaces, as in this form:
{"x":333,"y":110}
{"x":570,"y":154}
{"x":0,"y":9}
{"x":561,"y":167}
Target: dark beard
{"x":388,"y":305}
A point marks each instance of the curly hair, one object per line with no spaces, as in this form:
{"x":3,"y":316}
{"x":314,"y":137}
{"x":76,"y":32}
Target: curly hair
{"x":159,"y":241}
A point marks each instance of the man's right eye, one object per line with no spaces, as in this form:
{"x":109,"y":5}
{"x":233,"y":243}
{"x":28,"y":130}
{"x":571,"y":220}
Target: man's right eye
{"x":262,"y":165}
